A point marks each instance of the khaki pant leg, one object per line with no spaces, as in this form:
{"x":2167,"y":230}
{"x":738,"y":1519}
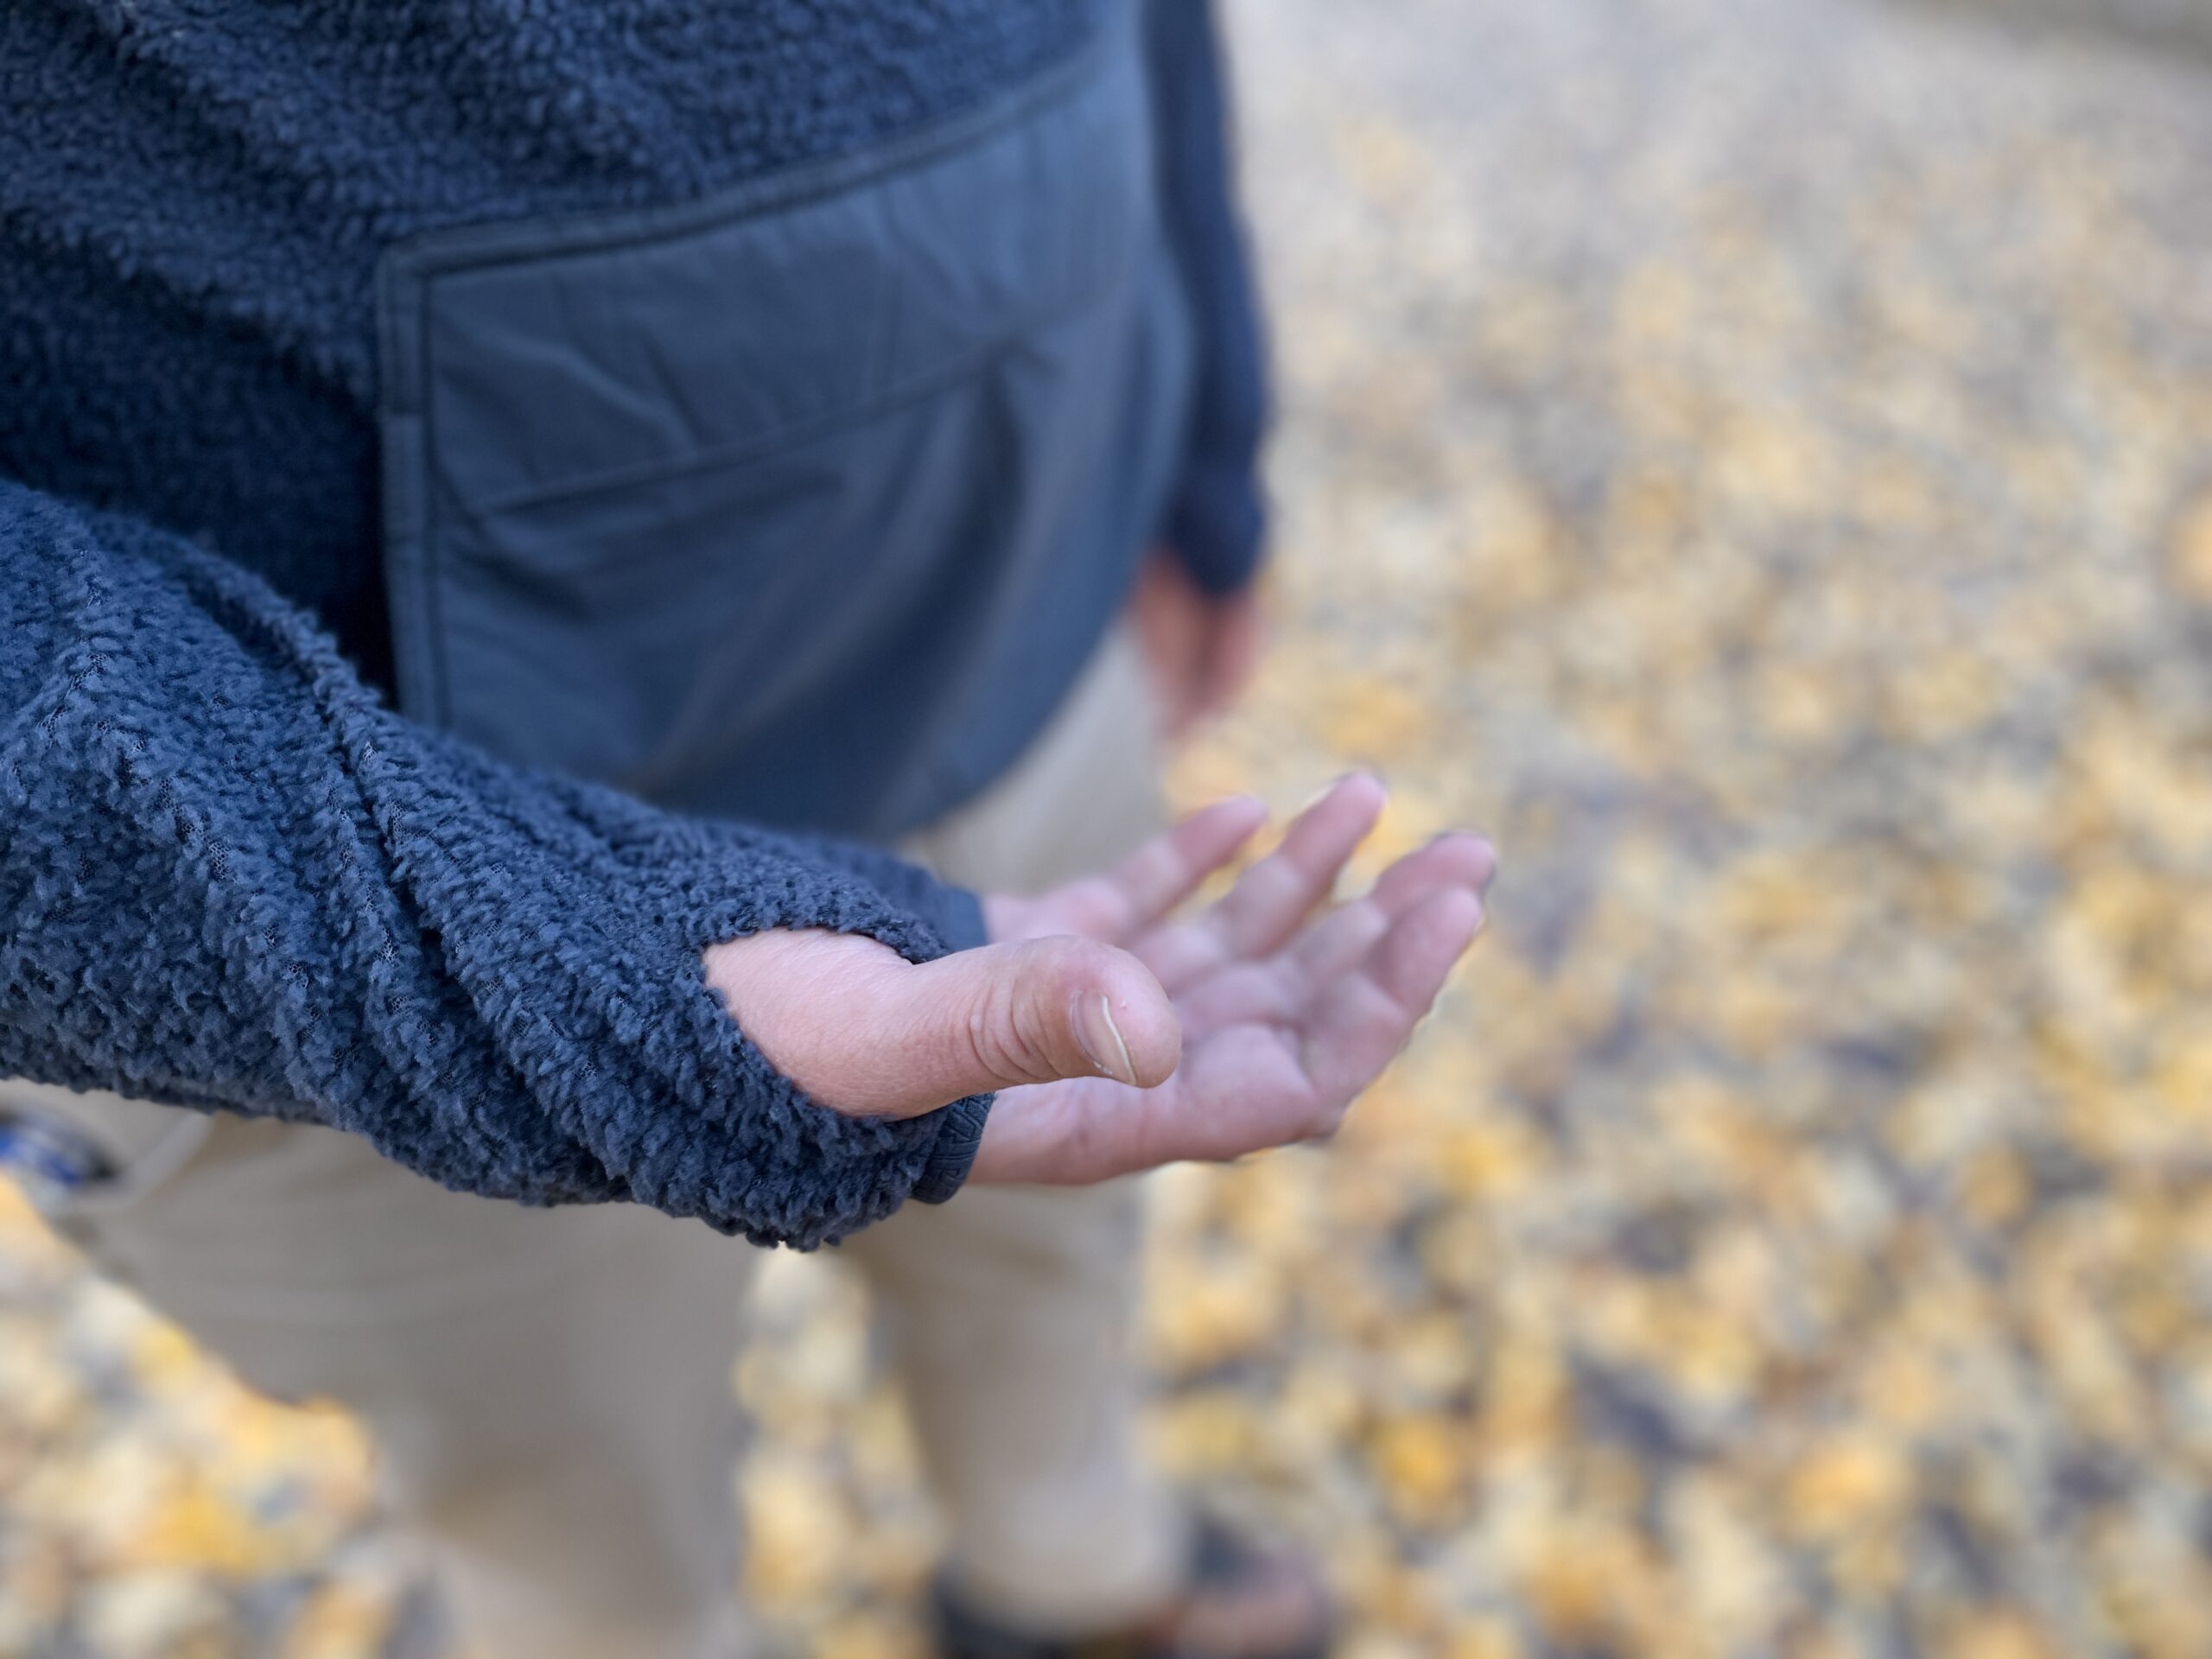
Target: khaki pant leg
{"x":550,"y":1391}
{"x":1012,"y":1312}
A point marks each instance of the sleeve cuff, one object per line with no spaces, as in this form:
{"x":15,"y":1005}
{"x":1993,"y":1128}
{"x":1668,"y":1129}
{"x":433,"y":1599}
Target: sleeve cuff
{"x":1218,"y":525}
{"x":958,"y":1139}
{"x":960,"y":920}
{"x":957,"y":915}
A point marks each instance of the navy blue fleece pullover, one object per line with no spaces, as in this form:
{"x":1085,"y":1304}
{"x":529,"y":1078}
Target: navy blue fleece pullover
{"x":230,"y":877}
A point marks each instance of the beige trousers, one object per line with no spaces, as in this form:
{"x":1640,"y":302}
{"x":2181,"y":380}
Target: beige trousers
{"x":551,"y":1390}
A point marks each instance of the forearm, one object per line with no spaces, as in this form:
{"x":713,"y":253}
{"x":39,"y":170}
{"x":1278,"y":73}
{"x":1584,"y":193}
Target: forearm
{"x":230,"y":878}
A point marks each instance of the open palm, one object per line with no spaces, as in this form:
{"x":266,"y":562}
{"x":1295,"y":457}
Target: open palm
{"x":1286,"y":1015}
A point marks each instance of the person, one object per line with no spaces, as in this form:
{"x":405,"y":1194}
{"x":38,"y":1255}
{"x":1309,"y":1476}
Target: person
{"x":509,"y":515}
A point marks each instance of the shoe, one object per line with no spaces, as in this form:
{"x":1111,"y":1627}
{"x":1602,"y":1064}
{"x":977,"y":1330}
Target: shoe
{"x":1240,"y":1601}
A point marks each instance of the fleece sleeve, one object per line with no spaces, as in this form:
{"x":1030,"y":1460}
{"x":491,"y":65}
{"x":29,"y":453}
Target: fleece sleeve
{"x":1216,"y":513}
{"x":230,"y":878}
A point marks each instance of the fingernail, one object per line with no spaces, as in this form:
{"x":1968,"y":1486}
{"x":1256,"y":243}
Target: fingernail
{"x":1101,"y":1039}
{"x":1490,"y":848}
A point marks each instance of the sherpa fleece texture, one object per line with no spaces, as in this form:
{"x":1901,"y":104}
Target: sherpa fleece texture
{"x":227,"y":876}
{"x":193,"y":195}
{"x":231,"y":877}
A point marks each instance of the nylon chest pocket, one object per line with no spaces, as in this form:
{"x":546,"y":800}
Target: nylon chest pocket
{"x":681,"y":499}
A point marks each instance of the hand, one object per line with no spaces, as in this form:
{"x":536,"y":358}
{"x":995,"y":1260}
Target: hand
{"x":1203,"y":650}
{"x":866,"y":1031}
{"x":1278,"y":1024}
{"x":1285,"y":1017}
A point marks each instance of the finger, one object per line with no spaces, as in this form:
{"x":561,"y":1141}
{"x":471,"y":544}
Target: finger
{"x":1247,"y":1085}
{"x":1341,"y":939}
{"x":1362,"y":1020}
{"x":1180,"y":709}
{"x":866,"y":1033}
{"x":1234,"y":647}
{"x":1278,"y":991}
{"x":1247,"y":993}
{"x":1243,"y":1092}
{"x":1151,"y":881}
{"x":1013,"y":1013}
{"x":1270,"y":899}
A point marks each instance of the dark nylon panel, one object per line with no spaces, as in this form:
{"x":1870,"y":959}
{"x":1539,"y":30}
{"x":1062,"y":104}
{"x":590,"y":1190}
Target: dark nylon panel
{"x":803,"y":503}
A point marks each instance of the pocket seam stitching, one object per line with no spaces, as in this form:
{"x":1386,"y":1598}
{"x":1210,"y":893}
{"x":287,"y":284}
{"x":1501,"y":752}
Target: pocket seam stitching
{"x":918,"y":385}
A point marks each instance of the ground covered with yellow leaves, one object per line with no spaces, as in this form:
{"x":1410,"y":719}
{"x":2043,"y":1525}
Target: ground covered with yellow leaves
{"x":1756,"y":460}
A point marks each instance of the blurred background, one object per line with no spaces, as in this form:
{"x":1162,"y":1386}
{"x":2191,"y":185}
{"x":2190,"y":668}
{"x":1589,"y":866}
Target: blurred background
{"x":1755,"y":458}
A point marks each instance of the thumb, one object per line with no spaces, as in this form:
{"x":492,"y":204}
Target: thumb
{"x":1030,"y":1011}
{"x":866,"y":1033}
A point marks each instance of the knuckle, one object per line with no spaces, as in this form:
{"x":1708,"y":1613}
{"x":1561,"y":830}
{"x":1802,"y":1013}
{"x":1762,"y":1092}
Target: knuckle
{"x":996,"y":1042}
